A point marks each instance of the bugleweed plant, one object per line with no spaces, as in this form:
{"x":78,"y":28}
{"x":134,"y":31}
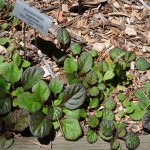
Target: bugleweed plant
{"x":28,"y":101}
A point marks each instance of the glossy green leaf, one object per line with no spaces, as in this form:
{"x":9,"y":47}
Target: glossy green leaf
{"x":74,"y":96}
{"x":109,"y":103}
{"x":92,"y":121}
{"x":5,"y":106}
{"x":85,"y":62}
{"x":101,"y":86}
{"x":70,"y":65}
{"x":83,"y":113}
{"x":41,"y":90}
{"x":56,"y":86}
{"x":129,"y":109}
{"x":121,"y":97}
{"x":130,"y":56}
{"x":17,"y":91}
{"x":108,"y":114}
{"x":103,"y":66}
{"x":144,"y":103}
{"x":54,"y":113}
{"x":94,"y":102}
{"x":94,"y":53}
{"x":31,"y":76}
{"x":58,"y":101}
{"x":71,"y":128}
{"x":11,"y":73}
{"x":126,"y":103}
{"x":132,"y":141}
{"x":15,"y":21}
{"x":39,"y":124}
{"x":4,"y":25}
{"x":120,"y":129}
{"x":91,"y":136}
{"x":108,"y":75}
{"x":75,"y":48}
{"x":63,"y":36}
{"x":139,"y":93}
{"x":29,"y":102}
{"x":16,"y":59}
{"x":91,"y":78}
{"x":72,"y":113}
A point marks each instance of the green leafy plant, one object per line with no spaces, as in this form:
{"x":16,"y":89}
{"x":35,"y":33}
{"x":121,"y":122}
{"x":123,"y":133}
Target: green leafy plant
{"x":142,"y":64}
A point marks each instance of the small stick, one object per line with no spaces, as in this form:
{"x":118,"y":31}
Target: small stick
{"x":144,"y":4}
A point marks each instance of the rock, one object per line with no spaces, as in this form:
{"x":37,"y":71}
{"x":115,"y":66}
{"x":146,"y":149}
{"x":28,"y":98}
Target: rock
{"x":116,"y":4}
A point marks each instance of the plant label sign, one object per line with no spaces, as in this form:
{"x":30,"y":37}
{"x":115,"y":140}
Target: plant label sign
{"x":32,"y":16}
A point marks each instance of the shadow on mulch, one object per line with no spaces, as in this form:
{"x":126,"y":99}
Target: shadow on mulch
{"x":49,"y":48}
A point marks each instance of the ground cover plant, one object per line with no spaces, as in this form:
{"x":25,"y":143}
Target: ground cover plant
{"x":28,"y":101}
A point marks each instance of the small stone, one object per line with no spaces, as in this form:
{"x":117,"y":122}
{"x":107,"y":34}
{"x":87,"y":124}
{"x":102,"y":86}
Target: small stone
{"x":56,"y":69}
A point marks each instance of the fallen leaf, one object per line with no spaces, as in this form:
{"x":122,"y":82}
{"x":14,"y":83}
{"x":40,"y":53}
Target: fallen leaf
{"x":129,"y":30}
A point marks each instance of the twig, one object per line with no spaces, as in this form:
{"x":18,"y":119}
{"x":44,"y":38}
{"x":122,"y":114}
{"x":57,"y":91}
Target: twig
{"x":20,"y":138}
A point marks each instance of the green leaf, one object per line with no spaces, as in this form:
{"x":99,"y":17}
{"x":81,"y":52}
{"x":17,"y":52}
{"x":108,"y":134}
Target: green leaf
{"x":144,"y":103}
{"x":17,"y":120}
{"x":54,"y":113}
{"x":101,"y":86}
{"x":29,"y":102}
{"x":108,"y":75}
{"x":39,"y":124}
{"x":1,"y":59}
{"x":121,"y":113}
{"x":139,"y":94}
{"x":98,"y":114}
{"x":94,"y":102}
{"x":41,"y":90}
{"x":85,"y":62}
{"x":146,"y":121}
{"x":91,"y":136}
{"x":121,"y":97}
{"x":132,"y":141}
{"x":107,"y":127}
{"x":11,"y":73}
{"x":56,"y":86}
{"x":142,"y":64}
{"x":103,"y":66}
{"x":130,"y":56}
{"x":5,"y":106}
{"x":83,"y":113}
{"x":72,"y":113}
{"x":71,"y":128}
{"x":126,"y":103}
{"x":109,"y":104}
{"x":94,"y":91}
{"x":25,"y":63}
{"x":108,"y":114}
{"x":91,"y":78}
{"x":70,"y":65}
{"x":75,"y":48}
{"x":15,"y":21}
{"x":5,"y":143}
{"x":115,"y":52}
{"x":31,"y":76}
{"x":4,"y":25}
{"x":129,"y":110}
{"x":120,"y":129}
{"x":74,"y":96}
{"x":138,"y":113}
{"x":16,"y":59}
{"x":115,"y":144}
{"x":11,"y":48}
{"x":93,"y":121}
{"x":63,"y":36}
{"x":2,"y":4}
{"x":94,"y":53}
{"x":3,"y":41}
{"x":106,"y":138}
{"x":17,"y":91}
{"x":58,"y":101}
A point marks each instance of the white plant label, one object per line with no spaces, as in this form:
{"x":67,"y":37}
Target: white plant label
{"x":32,"y":16}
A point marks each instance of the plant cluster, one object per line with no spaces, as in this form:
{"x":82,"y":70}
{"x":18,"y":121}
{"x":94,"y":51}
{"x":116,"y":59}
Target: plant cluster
{"x":29,"y":101}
